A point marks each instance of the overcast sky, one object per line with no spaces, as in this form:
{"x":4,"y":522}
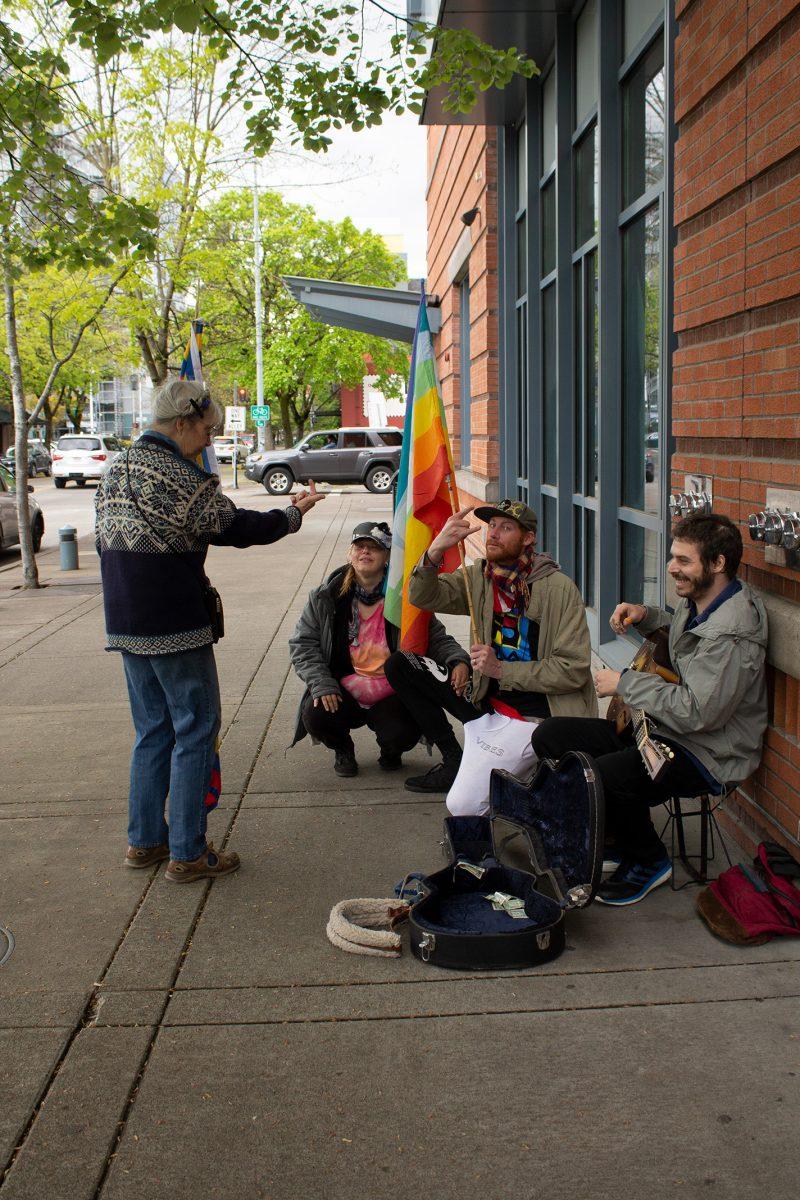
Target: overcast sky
{"x":376,"y":177}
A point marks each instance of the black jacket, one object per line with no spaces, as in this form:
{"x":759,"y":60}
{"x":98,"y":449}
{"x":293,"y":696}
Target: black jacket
{"x":320,"y":651}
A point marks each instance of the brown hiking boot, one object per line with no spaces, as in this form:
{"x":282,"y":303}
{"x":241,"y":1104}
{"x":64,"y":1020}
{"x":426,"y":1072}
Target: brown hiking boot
{"x":146,"y":856}
{"x":209,"y":865}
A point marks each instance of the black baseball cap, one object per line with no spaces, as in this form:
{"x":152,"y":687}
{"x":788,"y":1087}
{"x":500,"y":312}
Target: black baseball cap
{"x":379,"y":533}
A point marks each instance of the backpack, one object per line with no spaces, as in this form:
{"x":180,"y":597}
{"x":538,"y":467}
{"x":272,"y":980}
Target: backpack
{"x":749,"y":905}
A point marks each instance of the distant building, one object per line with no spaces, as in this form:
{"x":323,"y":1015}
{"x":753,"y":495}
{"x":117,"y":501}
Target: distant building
{"x":366,"y":405}
{"x":121,"y":406}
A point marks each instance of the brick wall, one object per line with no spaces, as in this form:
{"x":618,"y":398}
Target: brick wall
{"x":736,"y":394}
{"x":462,"y":174}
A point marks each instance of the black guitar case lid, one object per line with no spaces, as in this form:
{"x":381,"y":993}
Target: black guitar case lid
{"x":542,"y":843}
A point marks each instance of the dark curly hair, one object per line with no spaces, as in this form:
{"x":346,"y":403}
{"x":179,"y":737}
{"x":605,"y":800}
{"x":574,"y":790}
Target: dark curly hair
{"x":714,"y":535}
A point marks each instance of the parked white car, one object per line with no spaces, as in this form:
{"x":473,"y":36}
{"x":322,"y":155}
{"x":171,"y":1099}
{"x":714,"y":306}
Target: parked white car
{"x":83,"y":456}
{"x":223,"y":448}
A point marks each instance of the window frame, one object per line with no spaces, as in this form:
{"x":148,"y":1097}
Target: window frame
{"x":605,"y":509}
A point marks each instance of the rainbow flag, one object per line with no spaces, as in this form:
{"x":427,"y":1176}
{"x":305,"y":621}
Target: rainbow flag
{"x":424,"y":483}
{"x":192,"y":368}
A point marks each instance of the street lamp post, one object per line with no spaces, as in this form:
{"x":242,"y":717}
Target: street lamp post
{"x":264,"y":431}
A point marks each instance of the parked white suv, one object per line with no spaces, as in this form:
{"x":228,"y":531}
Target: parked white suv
{"x":223,"y":448}
{"x":83,"y":456}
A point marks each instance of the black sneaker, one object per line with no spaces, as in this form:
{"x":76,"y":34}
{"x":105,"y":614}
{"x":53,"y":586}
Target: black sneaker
{"x":631,"y":882}
{"x":345,"y":764}
{"x":439,"y":779}
{"x":390,"y":762}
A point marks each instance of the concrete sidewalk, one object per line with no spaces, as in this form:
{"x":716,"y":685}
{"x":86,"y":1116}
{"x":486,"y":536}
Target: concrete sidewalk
{"x":158,"y":1041}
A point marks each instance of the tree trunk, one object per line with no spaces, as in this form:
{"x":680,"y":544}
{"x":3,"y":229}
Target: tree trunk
{"x":49,"y":416}
{"x":30,"y":572}
{"x":286,"y":422}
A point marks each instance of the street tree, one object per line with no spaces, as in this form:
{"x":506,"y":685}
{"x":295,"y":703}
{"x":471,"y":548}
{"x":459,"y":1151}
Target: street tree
{"x":52,"y":304}
{"x":310,"y":67}
{"x":304,"y":362}
{"x":51,"y":212}
{"x":157,"y":130}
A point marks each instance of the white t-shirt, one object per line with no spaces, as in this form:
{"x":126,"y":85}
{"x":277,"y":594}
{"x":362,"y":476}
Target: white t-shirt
{"x":490,"y":741}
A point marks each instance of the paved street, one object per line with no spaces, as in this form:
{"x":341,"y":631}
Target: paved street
{"x":207,"y":1041}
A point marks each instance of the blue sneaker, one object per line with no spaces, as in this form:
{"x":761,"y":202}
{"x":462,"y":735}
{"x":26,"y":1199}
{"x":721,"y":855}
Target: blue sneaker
{"x":631,"y":882}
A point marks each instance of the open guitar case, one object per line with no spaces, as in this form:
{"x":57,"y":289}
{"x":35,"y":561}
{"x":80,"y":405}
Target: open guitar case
{"x":542,"y":843}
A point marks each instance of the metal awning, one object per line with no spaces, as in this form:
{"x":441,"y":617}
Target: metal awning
{"x":528,"y":24}
{"x":383,"y":312}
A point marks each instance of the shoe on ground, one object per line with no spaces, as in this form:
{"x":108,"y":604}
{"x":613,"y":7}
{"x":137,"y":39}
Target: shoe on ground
{"x":209,"y":865}
{"x":390,"y":762}
{"x":145,"y":856}
{"x":631,"y":882}
{"x":439,"y":779}
{"x":345,"y":764}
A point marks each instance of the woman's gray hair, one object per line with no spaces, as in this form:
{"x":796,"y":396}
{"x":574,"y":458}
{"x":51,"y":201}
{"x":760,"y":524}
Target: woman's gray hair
{"x":175,"y":398}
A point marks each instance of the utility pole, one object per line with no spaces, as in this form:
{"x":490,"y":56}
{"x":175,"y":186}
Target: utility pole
{"x":265,"y":441}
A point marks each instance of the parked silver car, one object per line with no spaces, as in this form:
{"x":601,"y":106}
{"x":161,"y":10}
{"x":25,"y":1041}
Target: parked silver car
{"x":368,"y":456}
{"x":9,"y":526}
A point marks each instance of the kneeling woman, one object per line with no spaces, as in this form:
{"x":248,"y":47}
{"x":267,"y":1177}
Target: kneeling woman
{"x":338,"y":649}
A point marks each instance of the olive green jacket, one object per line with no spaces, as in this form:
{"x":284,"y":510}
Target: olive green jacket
{"x":563,"y":669}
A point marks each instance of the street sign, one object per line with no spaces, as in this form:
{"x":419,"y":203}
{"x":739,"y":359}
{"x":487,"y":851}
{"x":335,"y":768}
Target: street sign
{"x":235,"y":418}
{"x":259,"y":413}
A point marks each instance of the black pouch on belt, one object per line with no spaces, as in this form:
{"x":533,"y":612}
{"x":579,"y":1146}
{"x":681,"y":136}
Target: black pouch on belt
{"x":216,"y":617}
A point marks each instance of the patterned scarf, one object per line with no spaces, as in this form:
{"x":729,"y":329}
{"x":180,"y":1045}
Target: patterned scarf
{"x":511,"y":579}
{"x":361,"y":595}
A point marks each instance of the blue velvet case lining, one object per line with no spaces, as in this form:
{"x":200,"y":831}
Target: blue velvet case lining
{"x":560,"y":812}
{"x":555,"y":819}
{"x":458,"y":904}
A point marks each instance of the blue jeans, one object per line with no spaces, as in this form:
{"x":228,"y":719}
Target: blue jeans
{"x":176,"y":712}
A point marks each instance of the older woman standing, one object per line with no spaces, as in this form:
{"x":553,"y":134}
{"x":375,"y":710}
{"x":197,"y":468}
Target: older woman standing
{"x":157,"y":513}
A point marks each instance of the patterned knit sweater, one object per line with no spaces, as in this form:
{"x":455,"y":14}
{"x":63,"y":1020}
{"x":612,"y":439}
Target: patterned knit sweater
{"x":153,"y":548}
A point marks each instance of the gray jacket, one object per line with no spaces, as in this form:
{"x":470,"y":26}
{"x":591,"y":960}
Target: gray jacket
{"x":311,"y":646}
{"x":718,"y":711}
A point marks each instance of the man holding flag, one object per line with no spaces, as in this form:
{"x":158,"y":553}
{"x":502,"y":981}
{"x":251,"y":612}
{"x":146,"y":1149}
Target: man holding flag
{"x":530,"y":648}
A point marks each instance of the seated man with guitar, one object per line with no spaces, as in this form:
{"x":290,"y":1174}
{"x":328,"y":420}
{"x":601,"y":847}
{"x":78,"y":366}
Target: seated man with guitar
{"x":694,"y":728}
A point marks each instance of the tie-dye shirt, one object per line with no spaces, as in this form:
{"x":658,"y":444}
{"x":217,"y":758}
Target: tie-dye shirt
{"x":368,"y":684}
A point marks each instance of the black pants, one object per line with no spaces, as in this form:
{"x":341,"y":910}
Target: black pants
{"x":389,"y":719}
{"x":628,"y":789}
{"x":429,"y":695}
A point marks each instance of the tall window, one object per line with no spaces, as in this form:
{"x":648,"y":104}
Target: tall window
{"x":643,"y":127}
{"x":465,"y":363}
{"x":548,"y":357}
{"x":586,"y":261}
{"x":521,"y":308}
{"x":586,"y":178}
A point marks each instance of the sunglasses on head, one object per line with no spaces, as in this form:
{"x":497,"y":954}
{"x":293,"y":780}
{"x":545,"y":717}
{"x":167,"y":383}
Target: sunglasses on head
{"x":200,"y":406}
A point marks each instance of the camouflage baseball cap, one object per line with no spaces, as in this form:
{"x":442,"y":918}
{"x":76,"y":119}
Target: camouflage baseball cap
{"x":515,"y":509}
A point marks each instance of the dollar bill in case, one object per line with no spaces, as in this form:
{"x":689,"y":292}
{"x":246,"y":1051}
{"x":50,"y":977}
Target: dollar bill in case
{"x":541,"y":844}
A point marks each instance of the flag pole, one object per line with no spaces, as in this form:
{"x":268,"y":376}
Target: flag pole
{"x":473,"y":624}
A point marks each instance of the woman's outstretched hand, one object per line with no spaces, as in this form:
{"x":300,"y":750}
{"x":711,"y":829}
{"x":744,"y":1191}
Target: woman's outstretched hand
{"x":305,"y":501}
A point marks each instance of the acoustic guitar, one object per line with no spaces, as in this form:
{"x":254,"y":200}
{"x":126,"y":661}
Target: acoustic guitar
{"x":656,"y":755}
